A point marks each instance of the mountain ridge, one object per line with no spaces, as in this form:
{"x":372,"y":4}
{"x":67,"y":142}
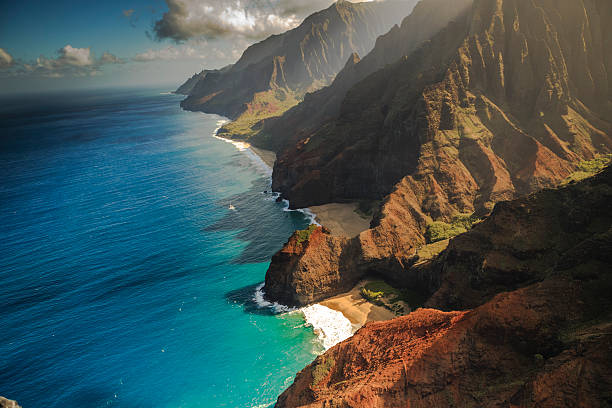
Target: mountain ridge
{"x":442,"y":132}
{"x":273,"y":75}
{"x":426,"y":19}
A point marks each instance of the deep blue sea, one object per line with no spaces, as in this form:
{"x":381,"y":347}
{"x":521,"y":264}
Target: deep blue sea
{"x":125,"y":279}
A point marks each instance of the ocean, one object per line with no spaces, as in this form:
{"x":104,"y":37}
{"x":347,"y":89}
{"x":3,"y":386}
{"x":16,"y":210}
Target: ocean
{"x":125,"y":278}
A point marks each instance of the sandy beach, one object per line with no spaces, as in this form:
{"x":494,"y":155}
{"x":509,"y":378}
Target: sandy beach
{"x":268,"y":156}
{"x":355,"y":308}
{"x":341,"y":219}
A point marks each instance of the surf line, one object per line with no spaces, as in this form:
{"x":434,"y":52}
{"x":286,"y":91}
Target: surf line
{"x":267,"y":170}
{"x":330,"y":326}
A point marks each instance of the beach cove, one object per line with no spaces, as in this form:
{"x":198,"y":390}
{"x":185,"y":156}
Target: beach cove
{"x":339,"y":317}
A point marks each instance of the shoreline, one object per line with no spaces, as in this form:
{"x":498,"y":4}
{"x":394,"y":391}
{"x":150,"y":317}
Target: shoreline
{"x":268,"y":157}
{"x":338,"y":318}
{"x":341,"y":219}
{"x":357,"y":309}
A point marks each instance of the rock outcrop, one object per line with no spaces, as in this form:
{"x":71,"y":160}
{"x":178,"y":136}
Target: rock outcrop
{"x":504,"y":101}
{"x":292,"y":268}
{"x":301,"y":60}
{"x":7,"y":403}
{"x":538,"y":274}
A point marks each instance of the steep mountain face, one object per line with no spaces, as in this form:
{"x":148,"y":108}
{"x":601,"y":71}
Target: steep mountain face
{"x":301,"y":60}
{"x":522,"y":85}
{"x":427,"y":18}
{"x":538,"y":275}
{"x":502,"y":102}
{"x":188,"y":86}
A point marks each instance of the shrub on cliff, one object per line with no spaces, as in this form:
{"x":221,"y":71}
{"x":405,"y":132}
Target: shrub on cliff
{"x":304,"y":235}
{"x":589,"y":168}
{"x":439,"y":230}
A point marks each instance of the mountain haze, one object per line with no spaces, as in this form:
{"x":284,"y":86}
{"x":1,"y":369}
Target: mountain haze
{"x":427,"y":18}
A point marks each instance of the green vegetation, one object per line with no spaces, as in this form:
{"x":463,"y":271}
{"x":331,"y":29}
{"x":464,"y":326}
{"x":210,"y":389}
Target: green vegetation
{"x":304,"y":235}
{"x":382,"y":294}
{"x":264,"y":105}
{"x":439,"y":230}
{"x":589,"y":168}
{"x":323,"y":366}
{"x":431,"y":251}
{"x":379,"y":289}
{"x":372,"y":296}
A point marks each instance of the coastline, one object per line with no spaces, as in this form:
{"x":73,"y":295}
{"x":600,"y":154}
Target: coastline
{"x":338,"y":318}
{"x":357,"y":309}
{"x":265,"y":158}
{"x":341,"y":219}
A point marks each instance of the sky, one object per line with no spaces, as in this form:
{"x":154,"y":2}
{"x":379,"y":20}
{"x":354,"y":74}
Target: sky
{"x":60,"y":45}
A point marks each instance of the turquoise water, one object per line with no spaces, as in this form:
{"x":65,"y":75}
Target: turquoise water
{"x":125,"y":279}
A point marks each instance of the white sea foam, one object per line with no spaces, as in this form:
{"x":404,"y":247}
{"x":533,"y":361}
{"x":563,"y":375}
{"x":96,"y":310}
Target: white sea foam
{"x":330,"y":326}
{"x":312,"y":217}
{"x":244,"y":148}
{"x":262,"y":303}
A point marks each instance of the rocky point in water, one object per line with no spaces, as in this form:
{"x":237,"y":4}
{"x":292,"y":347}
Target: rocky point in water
{"x":7,"y":403}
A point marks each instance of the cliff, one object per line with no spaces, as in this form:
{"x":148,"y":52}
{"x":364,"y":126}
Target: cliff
{"x":537,"y":278}
{"x":188,"y":86}
{"x":273,"y":75}
{"x":427,"y":18}
{"x":507,"y":99}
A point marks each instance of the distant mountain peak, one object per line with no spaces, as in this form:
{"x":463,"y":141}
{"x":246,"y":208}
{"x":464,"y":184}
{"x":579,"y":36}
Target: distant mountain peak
{"x":301,"y":60}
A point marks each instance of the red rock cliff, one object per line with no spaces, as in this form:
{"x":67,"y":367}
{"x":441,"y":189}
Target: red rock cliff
{"x":539,"y":276}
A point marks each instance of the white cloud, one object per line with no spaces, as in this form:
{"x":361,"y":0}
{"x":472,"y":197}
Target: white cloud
{"x":78,"y":57}
{"x":70,"y":61}
{"x":108,"y":58}
{"x":254,"y":19}
{"x":5,"y":59}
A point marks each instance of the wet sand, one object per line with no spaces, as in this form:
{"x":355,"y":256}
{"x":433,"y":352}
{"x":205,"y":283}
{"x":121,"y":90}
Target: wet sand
{"x":268,"y":156}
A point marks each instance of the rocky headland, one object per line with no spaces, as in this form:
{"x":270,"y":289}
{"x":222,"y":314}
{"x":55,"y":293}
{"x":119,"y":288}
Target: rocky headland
{"x":532,"y":284}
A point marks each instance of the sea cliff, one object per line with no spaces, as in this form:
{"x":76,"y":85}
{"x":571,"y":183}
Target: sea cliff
{"x":532,"y":284}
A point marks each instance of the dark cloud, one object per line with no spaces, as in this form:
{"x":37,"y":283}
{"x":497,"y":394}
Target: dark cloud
{"x":253,"y":19}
